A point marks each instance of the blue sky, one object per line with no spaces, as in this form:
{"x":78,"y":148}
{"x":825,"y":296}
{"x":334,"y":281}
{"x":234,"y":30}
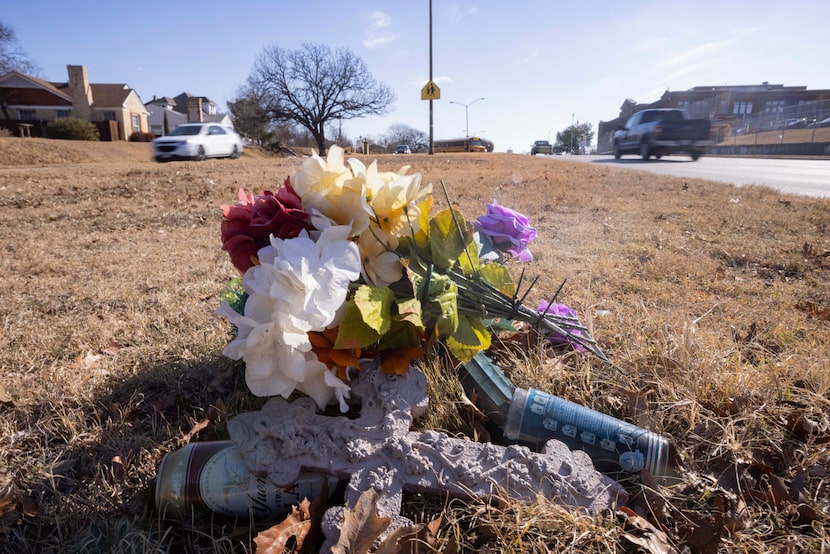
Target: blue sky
{"x":539,"y":65}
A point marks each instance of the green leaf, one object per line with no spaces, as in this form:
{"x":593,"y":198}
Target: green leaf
{"x":469,"y":263}
{"x":401,"y":335}
{"x":409,"y":310}
{"x":375,"y":305}
{"x":353,"y":331}
{"x":446,"y":244}
{"x":498,"y":276}
{"x":470,"y":338}
{"x":442,"y":304}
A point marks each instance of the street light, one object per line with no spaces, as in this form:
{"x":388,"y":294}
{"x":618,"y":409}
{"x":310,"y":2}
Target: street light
{"x":467,"y":113}
{"x":572,"y":133}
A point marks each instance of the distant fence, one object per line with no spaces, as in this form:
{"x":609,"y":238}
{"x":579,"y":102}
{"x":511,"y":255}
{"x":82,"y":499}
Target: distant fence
{"x":786,"y":149}
{"x":107,"y":130}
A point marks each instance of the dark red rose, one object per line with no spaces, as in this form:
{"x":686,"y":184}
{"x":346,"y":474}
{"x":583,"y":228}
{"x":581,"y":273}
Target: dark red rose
{"x":248,"y":225}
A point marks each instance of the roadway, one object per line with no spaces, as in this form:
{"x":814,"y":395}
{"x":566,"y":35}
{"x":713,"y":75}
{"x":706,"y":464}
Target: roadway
{"x":807,"y":177}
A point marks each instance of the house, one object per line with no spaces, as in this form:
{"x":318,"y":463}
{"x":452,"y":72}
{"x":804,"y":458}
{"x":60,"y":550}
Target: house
{"x":737,"y":109}
{"x":184,"y":108}
{"x":34,"y":101}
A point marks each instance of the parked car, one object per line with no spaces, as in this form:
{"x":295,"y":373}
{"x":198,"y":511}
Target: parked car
{"x":796,"y":123}
{"x":822,"y":123}
{"x":403,"y":149}
{"x":198,"y":141}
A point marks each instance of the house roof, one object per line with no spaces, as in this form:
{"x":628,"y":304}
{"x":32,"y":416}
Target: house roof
{"x":32,"y":91}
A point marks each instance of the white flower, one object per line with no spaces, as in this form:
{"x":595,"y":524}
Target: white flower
{"x":299,"y":286}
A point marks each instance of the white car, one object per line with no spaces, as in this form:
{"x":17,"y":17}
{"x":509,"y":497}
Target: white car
{"x":198,"y":141}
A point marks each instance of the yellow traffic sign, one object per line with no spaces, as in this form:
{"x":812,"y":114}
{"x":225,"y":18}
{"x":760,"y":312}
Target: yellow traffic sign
{"x":430,"y":91}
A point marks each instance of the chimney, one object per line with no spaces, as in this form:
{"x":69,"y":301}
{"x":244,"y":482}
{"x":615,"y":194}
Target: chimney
{"x":80,"y":91}
{"x":194,"y":110}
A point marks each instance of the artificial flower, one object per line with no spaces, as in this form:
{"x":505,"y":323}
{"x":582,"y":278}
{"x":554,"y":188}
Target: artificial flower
{"x":380,"y":266}
{"x":248,"y":224}
{"x":299,"y":286}
{"x":563,"y":314}
{"x":330,"y":189}
{"x":509,"y":230}
{"x":368,"y":270}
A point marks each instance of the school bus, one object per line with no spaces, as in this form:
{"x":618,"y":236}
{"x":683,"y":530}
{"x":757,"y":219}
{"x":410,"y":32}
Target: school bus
{"x":469,"y":144}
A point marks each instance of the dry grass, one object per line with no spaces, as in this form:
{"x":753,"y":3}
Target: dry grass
{"x":110,"y":351}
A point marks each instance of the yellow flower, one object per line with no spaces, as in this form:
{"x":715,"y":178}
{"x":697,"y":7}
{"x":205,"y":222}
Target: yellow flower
{"x":331,"y":189}
{"x":379,"y":266}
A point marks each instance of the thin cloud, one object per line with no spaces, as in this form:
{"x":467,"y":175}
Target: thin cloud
{"x":379,"y":33}
{"x":697,"y":52}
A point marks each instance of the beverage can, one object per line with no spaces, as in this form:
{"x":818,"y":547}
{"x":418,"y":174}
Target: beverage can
{"x":208,"y":477}
{"x":615,"y":446}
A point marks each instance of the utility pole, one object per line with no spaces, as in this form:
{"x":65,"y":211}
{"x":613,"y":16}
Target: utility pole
{"x":430,"y":80}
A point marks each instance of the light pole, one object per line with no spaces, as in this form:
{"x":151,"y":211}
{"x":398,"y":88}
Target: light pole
{"x":572,"y":134}
{"x":467,"y":113}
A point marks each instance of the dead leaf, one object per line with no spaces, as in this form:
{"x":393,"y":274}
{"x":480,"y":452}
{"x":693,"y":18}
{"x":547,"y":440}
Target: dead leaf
{"x":196,"y":429}
{"x":812,"y":310}
{"x":421,"y":538}
{"x":474,"y":417}
{"x":645,"y":534}
{"x":361,"y":526}
{"x":297,"y":525}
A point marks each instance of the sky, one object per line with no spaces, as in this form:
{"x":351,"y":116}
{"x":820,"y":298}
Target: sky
{"x":511,"y":72}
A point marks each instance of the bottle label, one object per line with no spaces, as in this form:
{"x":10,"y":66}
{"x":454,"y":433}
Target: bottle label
{"x":226,"y":486}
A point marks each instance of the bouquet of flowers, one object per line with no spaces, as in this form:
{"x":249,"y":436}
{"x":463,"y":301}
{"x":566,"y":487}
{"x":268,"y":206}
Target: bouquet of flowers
{"x":346,"y":262}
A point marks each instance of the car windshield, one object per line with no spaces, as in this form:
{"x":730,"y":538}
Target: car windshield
{"x":186,"y":130}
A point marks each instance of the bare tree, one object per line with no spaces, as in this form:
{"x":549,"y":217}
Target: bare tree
{"x":314,"y":86}
{"x":400,"y":133}
{"x":12,"y":57}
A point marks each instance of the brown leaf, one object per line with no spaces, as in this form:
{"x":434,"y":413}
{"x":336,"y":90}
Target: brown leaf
{"x":645,"y":534}
{"x":812,"y":310}
{"x":361,"y":526}
{"x":413,"y":539}
{"x":474,"y":417}
{"x":275,"y":539}
{"x":196,"y":429}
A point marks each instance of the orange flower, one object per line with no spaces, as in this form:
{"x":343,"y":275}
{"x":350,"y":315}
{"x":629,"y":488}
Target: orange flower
{"x":396,"y":361}
{"x":337,"y":360}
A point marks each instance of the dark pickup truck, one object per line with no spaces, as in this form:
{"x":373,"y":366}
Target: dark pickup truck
{"x":663,"y":131}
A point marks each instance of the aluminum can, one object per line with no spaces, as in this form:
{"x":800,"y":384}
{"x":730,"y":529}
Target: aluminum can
{"x":205,"y":477}
{"x":615,"y":446}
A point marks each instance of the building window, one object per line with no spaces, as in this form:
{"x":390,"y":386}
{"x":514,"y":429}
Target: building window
{"x":774,"y":106}
{"x":742,"y":107}
{"x":27,"y":115}
{"x":60,"y":114}
{"x":108,"y":116}
{"x":136,"y":123}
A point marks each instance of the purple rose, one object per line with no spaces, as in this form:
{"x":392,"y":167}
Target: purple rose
{"x":509,"y":230}
{"x":561,"y":311}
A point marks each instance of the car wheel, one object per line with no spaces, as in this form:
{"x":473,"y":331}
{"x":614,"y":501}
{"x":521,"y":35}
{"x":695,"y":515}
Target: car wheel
{"x":645,"y":153}
{"x":160,"y":159}
{"x":617,"y":153}
{"x":696,"y":154}
{"x":235,"y":153}
{"x":200,"y":155}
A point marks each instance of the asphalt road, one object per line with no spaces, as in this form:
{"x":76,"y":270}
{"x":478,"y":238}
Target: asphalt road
{"x":804,"y":177}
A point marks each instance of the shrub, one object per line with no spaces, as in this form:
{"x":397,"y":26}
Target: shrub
{"x":72,"y":128}
{"x":5,"y":132}
{"x":139,"y":136}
